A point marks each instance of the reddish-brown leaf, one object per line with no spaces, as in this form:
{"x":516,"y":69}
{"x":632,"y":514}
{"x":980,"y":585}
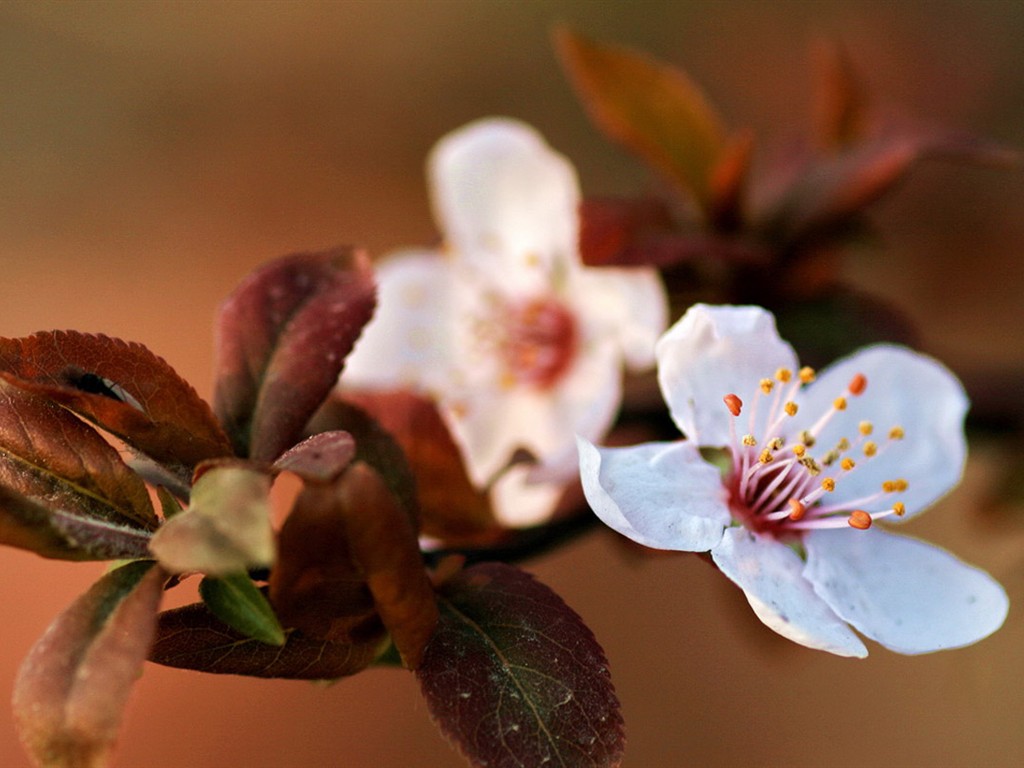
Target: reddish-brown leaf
{"x":728,"y":183}
{"x":514,"y":676}
{"x":56,"y":533}
{"x":315,"y":586}
{"x":450,"y":507}
{"x":193,"y":638}
{"x":50,"y":454}
{"x":374,"y":445}
{"x":835,"y":189}
{"x":282,"y":339}
{"x":651,"y":108}
{"x":840,"y":107}
{"x":320,"y":458}
{"x":71,"y":691}
{"x":121,"y":386}
{"x":384,"y":545}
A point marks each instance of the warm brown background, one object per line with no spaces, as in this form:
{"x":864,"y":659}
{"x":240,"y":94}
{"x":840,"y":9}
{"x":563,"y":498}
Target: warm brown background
{"x":152,"y":153}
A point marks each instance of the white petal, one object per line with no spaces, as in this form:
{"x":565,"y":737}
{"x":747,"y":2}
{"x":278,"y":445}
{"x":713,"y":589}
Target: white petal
{"x":662,"y":495}
{"x":905,"y":389}
{"x":489,"y":425}
{"x":506,"y":202}
{"x":407,"y":343}
{"x":907,"y":595}
{"x":518,"y":502}
{"x":769,"y":573}
{"x":629,"y":305}
{"x":490,"y":422}
{"x":710,"y":353}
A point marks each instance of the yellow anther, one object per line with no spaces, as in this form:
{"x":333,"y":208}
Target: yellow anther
{"x":783,"y":375}
{"x":765,"y":457}
{"x":870,"y":448}
{"x":895,"y":486}
{"x":807,"y":439}
{"x":828,"y":484}
{"x":896,"y":433}
{"x":830,"y":458}
{"x":733,"y":403}
{"x":843,"y":445}
{"x":839,"y":403}
{"x":767,"y":385}
{"x":810,"y":465}
{"x":807,"y":375}
{"x":799,"y":450}
{"x":776,"y":443}
{"x":899,"y":509}
{"x":857,"y":384}
{"x":790,"y":408}
{"x":749,"y":440}
{"x":847,"y":464}
{"x":866,"y":428}
{"x":796,"y":509}
{"x":860,"y":520}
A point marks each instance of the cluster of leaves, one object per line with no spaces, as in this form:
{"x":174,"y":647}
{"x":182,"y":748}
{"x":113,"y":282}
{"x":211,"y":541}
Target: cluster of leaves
{"x":107,"y":454}
{"x":727,"y":236}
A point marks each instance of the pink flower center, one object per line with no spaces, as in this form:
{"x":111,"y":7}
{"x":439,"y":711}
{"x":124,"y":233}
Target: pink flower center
{"x":538,"y":343}
{"x":779,"y":481}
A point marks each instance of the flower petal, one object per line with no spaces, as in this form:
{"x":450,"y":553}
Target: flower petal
{"x":506,"y":202}
{"x":712,"y":352}
{"x":769,"y":573}
{"x":904,"y":389}
{"x":909,"y":596}
{"x":407,"y":343}
{"x":662,"y":495}
{"x":491,"y":422}
{"x":628,"y":305}
{"x":518,"y":502}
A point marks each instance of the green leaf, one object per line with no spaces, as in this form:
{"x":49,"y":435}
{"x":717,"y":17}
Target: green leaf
{"x":514,"y":676}
{"x":70,"y":693}
{"x":651,"y":108}
{"x":226,"y":528}
{"x":237,"y":602}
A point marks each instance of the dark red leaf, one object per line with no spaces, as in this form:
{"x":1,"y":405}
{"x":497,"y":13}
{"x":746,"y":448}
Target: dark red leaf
{"x":56,"y":533}
{"x":282,"y":339}
{"x":651,"y":108}
{"x":833,"y":190}
{"x":451,"y":508}
{"x":315,"y":586}
{"x":50,"y":454}
{"x":121,"y":386}
{"x":320,"y":458}
{"x":193,"y":638}
{"x":71,"y":691}
{"x":384,"y":545}
{"x":374,"y":444}
{"x":515,"y":677}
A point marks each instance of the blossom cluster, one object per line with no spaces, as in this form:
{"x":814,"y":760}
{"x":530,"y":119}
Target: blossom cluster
{"x":782,"y":472}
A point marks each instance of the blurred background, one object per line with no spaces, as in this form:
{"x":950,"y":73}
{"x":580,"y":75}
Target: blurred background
{"x":153,"y":153}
